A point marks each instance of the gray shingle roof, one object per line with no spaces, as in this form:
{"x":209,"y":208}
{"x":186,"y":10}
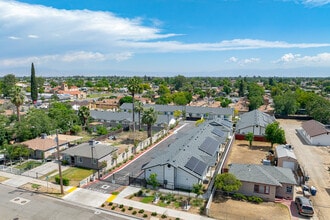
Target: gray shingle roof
{"x":186,"y":147}
{"x":188,"y":109}
{"x":254,"y":117}
{"x":263,"y":174}
{"x":85,"y":150}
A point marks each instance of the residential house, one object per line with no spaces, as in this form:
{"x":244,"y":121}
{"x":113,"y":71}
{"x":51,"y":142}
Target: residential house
{"x":255,"y":122}
{"x":92,"y":155}
{"x":191,"y":159}
{"x":193,"y":112}
{"x":73,"y":91}
{"x":315,"y":133}
{"x":285,"y":157}
{"x":266,"y":182}
{"x":45,"y":146}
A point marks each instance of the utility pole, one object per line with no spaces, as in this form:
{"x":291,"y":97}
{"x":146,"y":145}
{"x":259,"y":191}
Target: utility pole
{"x":59,"y":162}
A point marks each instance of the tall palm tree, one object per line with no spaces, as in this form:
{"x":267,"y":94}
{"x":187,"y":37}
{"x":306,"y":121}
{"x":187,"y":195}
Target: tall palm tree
{"x":84,"y":114}
{"x":139,"y":108}
{"x":134,"y":87}
{"x":17,"y":98}
{"x":149,"y":118}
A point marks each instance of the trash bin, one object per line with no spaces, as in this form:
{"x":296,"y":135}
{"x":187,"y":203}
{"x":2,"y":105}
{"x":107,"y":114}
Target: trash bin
{"x":313,"y":190}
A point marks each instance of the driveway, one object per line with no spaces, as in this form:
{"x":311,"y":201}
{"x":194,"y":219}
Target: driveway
{"x":44,"y":169}
{"x":315,"y":160}
{"x":134,"y":168}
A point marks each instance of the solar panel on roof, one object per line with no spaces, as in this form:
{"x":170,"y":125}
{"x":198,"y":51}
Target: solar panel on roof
{"x":191,"y":163}
{"x":218,"y":132}
{"x":196,"y":165}
{"x":209,"y":146}
{"x":200,"y":168}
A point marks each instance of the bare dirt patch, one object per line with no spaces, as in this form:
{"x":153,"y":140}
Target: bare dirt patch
{"x":42,"y":189}
{"x":2,"y":178}
{"x":243,"y":154}
{"x":224,"y":208}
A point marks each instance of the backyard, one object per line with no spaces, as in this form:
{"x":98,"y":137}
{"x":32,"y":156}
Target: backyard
{"x":74,"y":175}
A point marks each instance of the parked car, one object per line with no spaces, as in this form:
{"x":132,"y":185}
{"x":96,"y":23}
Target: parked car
{"x":304,"y":206}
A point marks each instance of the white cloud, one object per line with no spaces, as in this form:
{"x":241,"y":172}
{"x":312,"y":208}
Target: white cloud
{"x":14,"y":38}
{"x":232,"y":60}
{"x":315,"y":3}
{"x":33,"y":36}
{"x":318,"y":59}
{"x":243,"y":62}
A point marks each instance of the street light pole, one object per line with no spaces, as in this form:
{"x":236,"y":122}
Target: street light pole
{"x":59,"y":162}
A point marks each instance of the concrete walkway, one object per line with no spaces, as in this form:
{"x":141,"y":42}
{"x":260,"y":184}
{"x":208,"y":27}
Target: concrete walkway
{"x":96,"y":199}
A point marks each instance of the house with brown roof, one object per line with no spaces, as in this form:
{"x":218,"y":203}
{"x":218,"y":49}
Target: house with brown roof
{"x":70,"y":90}
{"x":315,"y":133}
{"x":45,"y":146}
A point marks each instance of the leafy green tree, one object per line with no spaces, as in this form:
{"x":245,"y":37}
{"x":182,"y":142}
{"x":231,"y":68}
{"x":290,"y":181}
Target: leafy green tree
{"x":226,"y":89}
{"x":125,"y":99}
{"x":4,"y":135}
{"x":164,"y":99}
{"x":179,"y":81}
{"x":163,"y":89}
{"x":249,"y":137}
{"x":84,"y":114}
{"x":177,"y":114}
{"x":286,"y":104}
{"x":17,"y":98}
{"x":225,"y":102}
{"x":197,"y":188}
{"x":34,"y":85}
{"x":8,"y":84}
{"x":227,"y":182}
{"x":149,"y":118}
{"x":241,"y":88}
{"x":182,"y":98}
{"x":39,"y":122}
{"x":255,"y":102}
{"x":64,"y":117}
{"x":134,"y":86}
{"x":152,"y":180}
{"x":76,"y":129}
{"x":139,"y":110}
{"x":274,"y":134}
{"x":101,"y":130}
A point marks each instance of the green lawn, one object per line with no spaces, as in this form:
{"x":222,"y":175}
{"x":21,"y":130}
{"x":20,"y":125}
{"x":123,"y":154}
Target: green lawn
{"x":28,"y":165}
{"x":75,"y":175}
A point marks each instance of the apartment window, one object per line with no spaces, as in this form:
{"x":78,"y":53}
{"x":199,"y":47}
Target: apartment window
{"x":94,"y":161}
{"x":289,"y":189}
{"x":256,"y":188}
{"x":266,"y":189}
{"x":80,"y":160}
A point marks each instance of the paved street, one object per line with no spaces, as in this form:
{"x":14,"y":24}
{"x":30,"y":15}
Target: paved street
{"x":19,"y":204}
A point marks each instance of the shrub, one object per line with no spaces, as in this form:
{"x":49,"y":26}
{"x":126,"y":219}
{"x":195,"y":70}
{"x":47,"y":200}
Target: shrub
{"x":140,"y":193}
{"x":115,"y":193}
{"x":141,"y":211}
{"x":65,"y":181}
{"x":134,"y":212}
{"x":177,"y":218}
{"x":110,"y":203}
{"x":113,"y":207}
{"x":130,"y":208}
{"x":164,"y":216}
{"x":103,"y":205}
{"x":201,"y":210}
{"x":239,"y":196}
{"x":145,"y":216}
{"x":123,"y":209}
{"x":154,"y":214}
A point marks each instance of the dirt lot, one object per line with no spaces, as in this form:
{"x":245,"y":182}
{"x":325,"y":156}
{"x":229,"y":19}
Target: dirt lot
{"x":231,"y":209}
{"x":315,"y":160}
{"x":242,"y":153}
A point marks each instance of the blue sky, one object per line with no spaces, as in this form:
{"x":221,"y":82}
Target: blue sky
{"x":165,"y":37}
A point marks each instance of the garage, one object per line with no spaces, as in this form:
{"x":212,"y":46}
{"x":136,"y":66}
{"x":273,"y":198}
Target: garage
{"x":288,"y":164}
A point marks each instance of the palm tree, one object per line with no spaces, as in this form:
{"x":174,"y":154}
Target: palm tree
{"x":139,"y":108}
{"x":84,"y":114}
{"x":149,"y":118}
{"x":17,"y":98}
{"x":134,"y":87}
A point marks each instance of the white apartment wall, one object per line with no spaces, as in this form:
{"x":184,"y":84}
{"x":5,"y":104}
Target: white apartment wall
{"x":185,"y":180}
